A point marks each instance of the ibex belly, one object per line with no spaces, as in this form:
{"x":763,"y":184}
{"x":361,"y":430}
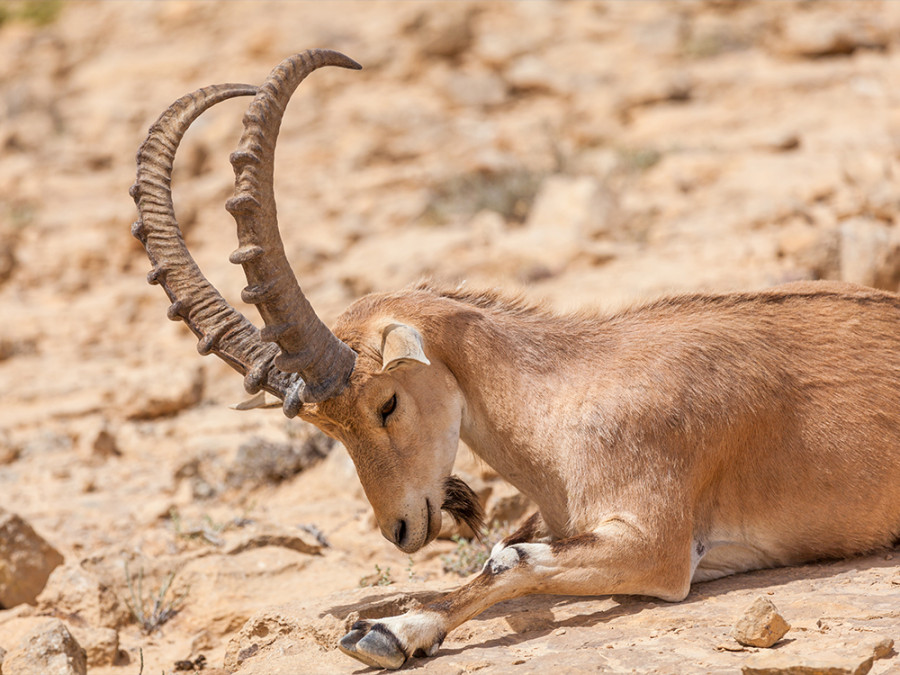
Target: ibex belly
{"x":724,"y":555}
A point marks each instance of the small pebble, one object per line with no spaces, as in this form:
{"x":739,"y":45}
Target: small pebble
{"x":761,"y":625}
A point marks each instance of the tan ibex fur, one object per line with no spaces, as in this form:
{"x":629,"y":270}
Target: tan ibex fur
{"x":684,"y":440}
{"x":679,"y":441}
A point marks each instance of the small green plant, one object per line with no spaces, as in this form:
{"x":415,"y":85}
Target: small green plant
{"x":154,"y":610}
{"x":638,"y":160}
{"x":709,"y":43}
{"x":509,"y":193}
{"x":38,"y":12}
{"x":381,"y":577}
{"x":41,"y":12}
{"x":470,"y":555}
{"x":467,"y":558}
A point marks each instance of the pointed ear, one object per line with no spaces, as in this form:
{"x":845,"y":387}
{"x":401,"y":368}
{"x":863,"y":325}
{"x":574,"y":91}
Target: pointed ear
{"x":400,"y":343}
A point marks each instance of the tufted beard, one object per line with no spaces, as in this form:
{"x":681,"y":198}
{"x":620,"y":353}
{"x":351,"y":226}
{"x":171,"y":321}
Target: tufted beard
{"x":461,"y":502}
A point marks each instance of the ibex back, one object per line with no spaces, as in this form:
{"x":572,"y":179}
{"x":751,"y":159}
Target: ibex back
{"x":680,"y":441}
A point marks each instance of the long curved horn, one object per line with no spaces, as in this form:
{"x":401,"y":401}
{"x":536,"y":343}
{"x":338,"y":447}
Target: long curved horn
{"x":222,"y":330}
{"x":308,"y":347}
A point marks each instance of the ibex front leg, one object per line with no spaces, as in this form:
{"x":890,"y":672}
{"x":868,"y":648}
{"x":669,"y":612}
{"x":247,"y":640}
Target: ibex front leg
{"x":621,"y":556}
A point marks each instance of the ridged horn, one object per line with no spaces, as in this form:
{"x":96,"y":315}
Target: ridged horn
{"x":308,"y":347}
{"x":222,"y":330}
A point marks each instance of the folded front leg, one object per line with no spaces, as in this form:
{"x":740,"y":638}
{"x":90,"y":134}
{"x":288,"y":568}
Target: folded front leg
{"x":619,"y":557}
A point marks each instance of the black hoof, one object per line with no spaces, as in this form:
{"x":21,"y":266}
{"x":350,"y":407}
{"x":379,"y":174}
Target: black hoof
{"x":373,"y":644}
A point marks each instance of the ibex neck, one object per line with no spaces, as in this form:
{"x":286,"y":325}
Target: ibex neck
{"x":511,"y":367}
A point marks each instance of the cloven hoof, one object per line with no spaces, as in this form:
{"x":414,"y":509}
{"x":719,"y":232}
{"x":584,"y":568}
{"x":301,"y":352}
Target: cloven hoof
{"x":374,"y":645}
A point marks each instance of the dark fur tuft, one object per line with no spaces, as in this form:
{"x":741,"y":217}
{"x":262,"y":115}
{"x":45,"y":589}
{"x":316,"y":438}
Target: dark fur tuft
{"x":461,"y":502}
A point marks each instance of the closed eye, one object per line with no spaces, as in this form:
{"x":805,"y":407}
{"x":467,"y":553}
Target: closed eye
{"x":389,"y":406}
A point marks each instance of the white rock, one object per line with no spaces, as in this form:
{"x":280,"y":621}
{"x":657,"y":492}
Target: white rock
{"x":101,"y":645}
{"x":49,"y":649}
{"x":571,"y":209}
{"x":161,"y":390}
{"x":74,"y":591}
{"x":870,"y":253}
{"x":814,"y":35}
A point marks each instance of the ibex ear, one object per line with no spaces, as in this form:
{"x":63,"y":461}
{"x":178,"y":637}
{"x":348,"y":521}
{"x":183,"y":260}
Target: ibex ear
{"x":400,"y":343}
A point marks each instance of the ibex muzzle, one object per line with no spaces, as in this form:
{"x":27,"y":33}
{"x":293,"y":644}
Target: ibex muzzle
{"x":681,"y":441}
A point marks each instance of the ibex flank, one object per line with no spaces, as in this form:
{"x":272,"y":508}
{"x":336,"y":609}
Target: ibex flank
{"x":676,"y":442}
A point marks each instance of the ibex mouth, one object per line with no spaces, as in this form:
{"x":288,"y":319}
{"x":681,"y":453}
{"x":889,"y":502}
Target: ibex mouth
{"x":461,"y":502}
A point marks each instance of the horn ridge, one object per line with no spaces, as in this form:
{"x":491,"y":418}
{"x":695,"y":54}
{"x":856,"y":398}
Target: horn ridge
{"x":221,"y":329}
{"x":307,"y":346}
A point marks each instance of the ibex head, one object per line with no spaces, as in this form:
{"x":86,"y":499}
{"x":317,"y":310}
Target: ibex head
{"x":373,"y":384}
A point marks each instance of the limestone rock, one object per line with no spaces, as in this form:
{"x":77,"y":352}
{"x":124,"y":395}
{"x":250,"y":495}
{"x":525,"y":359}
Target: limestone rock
{"x":870,"y":253}
{"x":49,"y":649}
{"x":814,"y":251}
{"x":301,"y":636}
{"x":9,"y":451}
{"x":780,"y":140}
{"x":445,"y":32}
{"x":95,"y":440}
{"x":475,"y":89}
{"x":101,"y":645}
{"x":573,"y":207}
{"x":261,"y":631}
{"x":259,"y":461}
{"x":761,"y":625}
{"x":300,"y":541}
{"x":498,"y":48}
{"x":159,"y":392}
{"x":104,"y":444}
{"x":77,"y":595}
{"x":8,"y":241}
{"x":814,"y":36}
{"x":651,"y":87}
{"x":46,"y":442}
{"x":529,"y":73}
{"x":26,"y":561}
{"x":851,"y":658}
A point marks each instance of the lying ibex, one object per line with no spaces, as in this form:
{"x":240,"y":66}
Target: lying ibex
{"x":680,"y":441}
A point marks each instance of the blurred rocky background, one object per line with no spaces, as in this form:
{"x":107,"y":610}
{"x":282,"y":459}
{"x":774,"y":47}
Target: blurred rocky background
{"x":588,"y":154}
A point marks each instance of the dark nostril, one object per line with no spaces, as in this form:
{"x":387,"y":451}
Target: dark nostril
{"x":400,"y":533}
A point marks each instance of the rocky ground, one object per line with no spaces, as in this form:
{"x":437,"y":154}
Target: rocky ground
{"x":586,"y":154}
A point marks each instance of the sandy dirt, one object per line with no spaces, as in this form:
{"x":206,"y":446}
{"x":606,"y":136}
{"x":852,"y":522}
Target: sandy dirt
{"x":585,"y":154}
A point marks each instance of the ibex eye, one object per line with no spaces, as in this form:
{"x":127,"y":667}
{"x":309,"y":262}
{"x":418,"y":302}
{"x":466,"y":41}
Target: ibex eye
{"x":388,"y":408}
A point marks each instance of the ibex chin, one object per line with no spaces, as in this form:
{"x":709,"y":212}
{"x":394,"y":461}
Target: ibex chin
{"x":679,"y":441}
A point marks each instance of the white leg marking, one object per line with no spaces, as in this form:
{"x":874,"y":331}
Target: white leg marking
{"x":389,"y":642}
{"x":503,"y":558}
{"x":415,"y":630}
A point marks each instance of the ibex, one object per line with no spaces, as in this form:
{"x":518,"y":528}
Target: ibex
{"x":683,"y":440}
